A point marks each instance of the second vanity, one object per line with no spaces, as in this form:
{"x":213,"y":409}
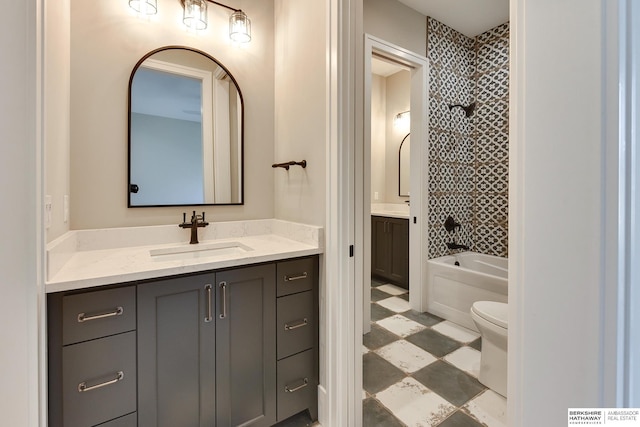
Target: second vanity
{"x":147,"y":330}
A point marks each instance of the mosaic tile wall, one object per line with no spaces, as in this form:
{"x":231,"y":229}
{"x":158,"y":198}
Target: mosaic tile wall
{"x":468,"y":156}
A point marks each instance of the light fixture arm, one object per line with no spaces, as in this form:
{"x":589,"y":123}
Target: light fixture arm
{"x":224,"y":5}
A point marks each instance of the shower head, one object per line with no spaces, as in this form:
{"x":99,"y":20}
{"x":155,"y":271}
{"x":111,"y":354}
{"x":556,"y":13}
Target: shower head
{"x":468,"y":110}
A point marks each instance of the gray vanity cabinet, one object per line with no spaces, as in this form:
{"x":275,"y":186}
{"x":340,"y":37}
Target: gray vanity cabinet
{"x":176,"y":352}
{"x":246,"y":347}
{"x":390,"y":249}
{"x":206,"y":346}
{"x":226,"y":348}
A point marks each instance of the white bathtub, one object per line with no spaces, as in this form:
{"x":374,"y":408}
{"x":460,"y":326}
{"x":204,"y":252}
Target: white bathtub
{"x":452,"y":289}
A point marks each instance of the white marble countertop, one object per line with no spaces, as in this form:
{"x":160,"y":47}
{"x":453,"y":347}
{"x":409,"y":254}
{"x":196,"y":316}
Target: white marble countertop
{"x":392,"y":210}
{"x":89,"y":258}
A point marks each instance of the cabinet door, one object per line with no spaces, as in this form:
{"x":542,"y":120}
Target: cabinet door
{"x":379,"y":246}
{"x":399,"y":251}
{"x":176,"y":352}
{"x":245,"y":347}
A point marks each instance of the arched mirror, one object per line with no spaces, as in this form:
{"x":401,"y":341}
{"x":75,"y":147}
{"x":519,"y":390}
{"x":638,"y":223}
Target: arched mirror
{"x":185,"y":131}
{"x":404,"y":170}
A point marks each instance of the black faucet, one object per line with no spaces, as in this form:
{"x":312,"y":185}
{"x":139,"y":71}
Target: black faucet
{"x":196,"y":221}
{"x":454,"y":245}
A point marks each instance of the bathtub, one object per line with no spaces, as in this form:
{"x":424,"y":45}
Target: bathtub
{"x":452,"y":289}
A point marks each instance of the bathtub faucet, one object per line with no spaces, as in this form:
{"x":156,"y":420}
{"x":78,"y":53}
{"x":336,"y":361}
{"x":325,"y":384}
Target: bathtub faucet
{"x":454,"y":245}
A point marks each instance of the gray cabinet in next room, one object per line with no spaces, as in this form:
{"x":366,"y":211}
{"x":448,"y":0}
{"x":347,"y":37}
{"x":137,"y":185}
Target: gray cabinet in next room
{"x":390,"y":249}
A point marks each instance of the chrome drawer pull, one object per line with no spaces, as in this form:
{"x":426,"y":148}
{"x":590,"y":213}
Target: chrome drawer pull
{"x":298,"y":277}
{"x":292,"y":390}
{"x":82,"y":317}
{"x":82,"y":387}
{"x":288,"y":327}
{"x":223,"y":297}
{"x":209,"y":316}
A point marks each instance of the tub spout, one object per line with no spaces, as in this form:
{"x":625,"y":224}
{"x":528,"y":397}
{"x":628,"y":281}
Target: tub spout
{"x":454,"y":245}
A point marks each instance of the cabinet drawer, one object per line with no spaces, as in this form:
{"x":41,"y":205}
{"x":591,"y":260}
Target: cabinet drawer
{"x":130,"y":420}
{"x":297,"y":384}
{"x":295,"y":276}
{"x":99,"y":380}
{"x":296,"y":324}
{"x":98,"y":314}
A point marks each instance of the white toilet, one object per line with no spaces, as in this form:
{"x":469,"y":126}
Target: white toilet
{"x":491,"y":319}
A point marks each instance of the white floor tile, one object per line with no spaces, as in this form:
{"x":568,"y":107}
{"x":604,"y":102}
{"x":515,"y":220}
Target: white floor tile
{"x":406,"y":356}
{"x":392,"y":289}
{"x":414,"y":404}
{"x":489,"y":409}
{"x":395,"y":304}
{"x":365,"y":350}
{"x":400,"y":325}
{"x":465,"y":358}
{"x":457,"y":332}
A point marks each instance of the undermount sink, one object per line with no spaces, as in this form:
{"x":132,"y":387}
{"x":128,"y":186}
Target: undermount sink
{"x":202,"y":250}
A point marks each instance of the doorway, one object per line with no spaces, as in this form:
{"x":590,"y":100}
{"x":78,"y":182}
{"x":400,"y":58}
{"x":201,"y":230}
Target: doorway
{"x":417,"y":66}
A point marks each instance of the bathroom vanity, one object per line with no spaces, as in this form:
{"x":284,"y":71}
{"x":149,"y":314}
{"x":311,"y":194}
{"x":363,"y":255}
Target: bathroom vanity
{"x":220,"y":346}
{"x":390,"y":247}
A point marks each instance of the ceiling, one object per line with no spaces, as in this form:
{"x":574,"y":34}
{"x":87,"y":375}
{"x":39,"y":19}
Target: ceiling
{"x":469,"y":17}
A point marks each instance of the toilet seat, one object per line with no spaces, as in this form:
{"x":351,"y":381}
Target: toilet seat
{"x":492,"y":311}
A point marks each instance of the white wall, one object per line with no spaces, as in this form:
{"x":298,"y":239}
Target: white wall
{"x":396,"y":23}
{"x":20,"y":177}
{"x":398,"y":100}
{"x":555,"y":210}
{"x":378,"y":138}
{"x":107,"y":40}
{"x":300,"y":110}
{"x":57,"y":84}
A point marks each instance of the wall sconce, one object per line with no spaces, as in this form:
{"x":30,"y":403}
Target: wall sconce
{"x":195,"y":17}
{"x":144,"y":7}
{"x":402,"y":120}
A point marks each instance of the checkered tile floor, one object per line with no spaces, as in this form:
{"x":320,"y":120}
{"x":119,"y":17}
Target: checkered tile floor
{"x":421,"y":370}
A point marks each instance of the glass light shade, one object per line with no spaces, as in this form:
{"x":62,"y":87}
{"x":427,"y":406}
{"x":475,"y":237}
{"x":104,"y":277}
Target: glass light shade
{"x":144,"y":7}
{"x":402,"y":120}
{"x":195,"y":14}
{"x":239,"y":27}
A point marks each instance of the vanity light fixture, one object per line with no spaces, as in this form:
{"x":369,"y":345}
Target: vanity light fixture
{"x":402,"y":120}
{"x":144,"y":7}
{"x":195,"y":17}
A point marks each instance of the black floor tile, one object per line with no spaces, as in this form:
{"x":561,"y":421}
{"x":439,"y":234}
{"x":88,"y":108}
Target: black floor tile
{"x":377,"y":295}
{"x":425,"y":319}
{"x":404,"y":296}
{"x":378,"y":337}
{"x":477,"y":344}
{"x":434,"y":342}
{"x":301,"y":419}
{"x":376,"y":415}
{"x":378,"y":312}
{"x":376,"y":282}
{"x":460,"y":419}
{"x":446,"y":380}
{"x":378,"y":374}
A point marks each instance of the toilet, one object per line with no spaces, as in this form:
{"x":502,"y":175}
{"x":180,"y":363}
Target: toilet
{"x":490,"y":318}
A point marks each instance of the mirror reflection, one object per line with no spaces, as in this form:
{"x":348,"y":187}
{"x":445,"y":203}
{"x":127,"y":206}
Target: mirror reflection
{"x":404,"y":166}
{"x":185,"y":131}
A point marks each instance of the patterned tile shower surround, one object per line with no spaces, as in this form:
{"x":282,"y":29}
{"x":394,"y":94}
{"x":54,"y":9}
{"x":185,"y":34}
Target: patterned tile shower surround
{"x":468,"y":157}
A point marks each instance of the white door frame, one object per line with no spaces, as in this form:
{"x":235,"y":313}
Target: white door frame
{"x":418,"y":218}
